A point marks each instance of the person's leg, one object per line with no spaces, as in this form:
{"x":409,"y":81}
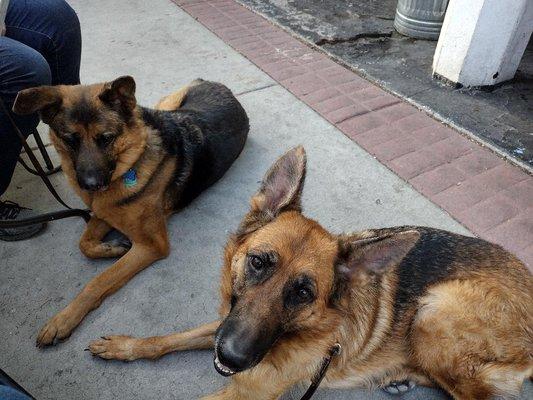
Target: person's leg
{"x":52,"y":28}
{"x":48,"y":31}
{"x":21,"y":67}
{"x":9,"y":393}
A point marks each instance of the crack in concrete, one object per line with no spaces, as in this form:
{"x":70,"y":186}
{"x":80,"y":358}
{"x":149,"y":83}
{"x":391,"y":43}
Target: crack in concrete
{"x":358,"y":114}
{"x":369,"y":35}
{"x":256,"y":89}
{"x":380,"y":17}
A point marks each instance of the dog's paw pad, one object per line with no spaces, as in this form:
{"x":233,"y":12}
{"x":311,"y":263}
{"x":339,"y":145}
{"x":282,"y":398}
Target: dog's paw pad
{"x":399,"y":387}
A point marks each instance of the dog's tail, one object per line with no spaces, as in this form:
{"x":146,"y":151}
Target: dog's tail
{"x":127,"y":348}
{"x":174,"y":100}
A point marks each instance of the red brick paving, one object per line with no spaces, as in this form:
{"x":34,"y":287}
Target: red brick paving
{"x":491,"y":197}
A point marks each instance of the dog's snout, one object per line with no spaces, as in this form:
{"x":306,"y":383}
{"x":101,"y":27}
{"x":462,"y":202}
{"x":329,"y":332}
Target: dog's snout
{"x":233,"y":354}
{"x":242,"y":343}
{"x":91,"y":180}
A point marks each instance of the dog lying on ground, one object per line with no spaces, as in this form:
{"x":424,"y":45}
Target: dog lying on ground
{"x":133,"y":167}
{"x":406,"y":304}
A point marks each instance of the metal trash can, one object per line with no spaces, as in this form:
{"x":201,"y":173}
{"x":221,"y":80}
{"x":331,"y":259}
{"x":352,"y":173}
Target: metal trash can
{"x":421,"y":19}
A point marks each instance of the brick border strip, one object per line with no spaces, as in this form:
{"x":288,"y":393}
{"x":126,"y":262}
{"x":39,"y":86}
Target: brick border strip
{"x":491,"y":197}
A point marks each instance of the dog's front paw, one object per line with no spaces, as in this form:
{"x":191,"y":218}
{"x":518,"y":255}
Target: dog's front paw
{"x":57,"y":328}
{"x":114,"y":348}
{"x":399,"y":387}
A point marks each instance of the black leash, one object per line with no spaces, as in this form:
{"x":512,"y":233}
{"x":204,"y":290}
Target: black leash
{"x":70,"y":212}
{"x":335,"y":350}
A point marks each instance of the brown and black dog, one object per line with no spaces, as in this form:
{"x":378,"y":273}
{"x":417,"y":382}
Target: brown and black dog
{"x":406,"y":303}
{"x":133,"y":167}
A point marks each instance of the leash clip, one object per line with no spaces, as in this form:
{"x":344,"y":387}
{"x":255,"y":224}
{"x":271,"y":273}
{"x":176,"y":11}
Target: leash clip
{"x":335,"y":350}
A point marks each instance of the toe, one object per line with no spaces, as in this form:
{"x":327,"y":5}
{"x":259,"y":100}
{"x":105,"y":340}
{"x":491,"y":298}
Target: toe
{"x":402,"y":387}
{"x":109,"y":356}
{"x":47,"y":335}
{"x":391,"y":389}
{"x":98,"y":346}
{"x":398,"y":387}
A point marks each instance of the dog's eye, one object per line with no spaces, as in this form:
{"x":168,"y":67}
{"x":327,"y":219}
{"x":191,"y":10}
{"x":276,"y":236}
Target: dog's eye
{"x":72,"y":140}
{"x":299,"y":292}
{"x":259,"y":267}
{"x":105,"y":139}
{"x":304,"y":294}
{"x":257,"y":263}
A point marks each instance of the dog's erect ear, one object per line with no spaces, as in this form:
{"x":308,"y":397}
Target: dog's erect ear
{"x":281,"y":190}
{"x":374,"y":254}
{"x":120,"y":93}
{"x":43,"y":99}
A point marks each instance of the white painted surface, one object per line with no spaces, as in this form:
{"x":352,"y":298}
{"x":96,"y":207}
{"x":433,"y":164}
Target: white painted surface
{"x":3,"y":12}
{"x":482,"y":41}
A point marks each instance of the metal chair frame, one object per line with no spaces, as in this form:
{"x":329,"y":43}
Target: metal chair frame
{"x":50,"y":169}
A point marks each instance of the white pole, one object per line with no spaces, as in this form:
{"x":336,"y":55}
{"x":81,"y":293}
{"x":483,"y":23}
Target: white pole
{"x":482,"y":41}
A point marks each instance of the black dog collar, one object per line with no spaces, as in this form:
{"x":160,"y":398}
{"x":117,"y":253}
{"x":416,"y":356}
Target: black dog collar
{"x":335,"y":350}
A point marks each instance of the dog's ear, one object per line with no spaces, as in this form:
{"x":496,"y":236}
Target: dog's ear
{"x":120,"y":94}
{"x":43,"y":99}
{"x":281,"y":190}
{"x":375,"y":254}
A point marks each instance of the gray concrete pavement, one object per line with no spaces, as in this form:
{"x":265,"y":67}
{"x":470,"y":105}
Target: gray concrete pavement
{"x":163,"y":48}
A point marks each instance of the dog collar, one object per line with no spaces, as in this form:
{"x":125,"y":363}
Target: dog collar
{"x":334,"y":350}
{"x":130,"y":178}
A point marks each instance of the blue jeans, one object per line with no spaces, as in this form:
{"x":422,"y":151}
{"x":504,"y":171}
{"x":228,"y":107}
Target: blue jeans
{"x":8,"y":393}
{"x":42,"y":46}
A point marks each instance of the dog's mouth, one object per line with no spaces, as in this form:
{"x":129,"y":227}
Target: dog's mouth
{"x":222,"y":369}
{"x":101,"y":189}
{"x":93,"y":188}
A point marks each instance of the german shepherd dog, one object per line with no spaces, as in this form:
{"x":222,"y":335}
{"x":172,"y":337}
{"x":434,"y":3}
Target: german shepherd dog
{"x":406,"y":304}
{"x":133,"y":167}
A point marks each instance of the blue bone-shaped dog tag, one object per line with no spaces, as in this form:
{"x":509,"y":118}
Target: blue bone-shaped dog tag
{"x":130,"y":178}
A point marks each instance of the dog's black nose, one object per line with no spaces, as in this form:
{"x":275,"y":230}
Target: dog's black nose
{"x":232,"y":354}
{"x":91,"y":181}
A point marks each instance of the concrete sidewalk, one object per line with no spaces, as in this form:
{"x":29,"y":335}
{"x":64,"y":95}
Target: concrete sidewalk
{"x":164,"y":48}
